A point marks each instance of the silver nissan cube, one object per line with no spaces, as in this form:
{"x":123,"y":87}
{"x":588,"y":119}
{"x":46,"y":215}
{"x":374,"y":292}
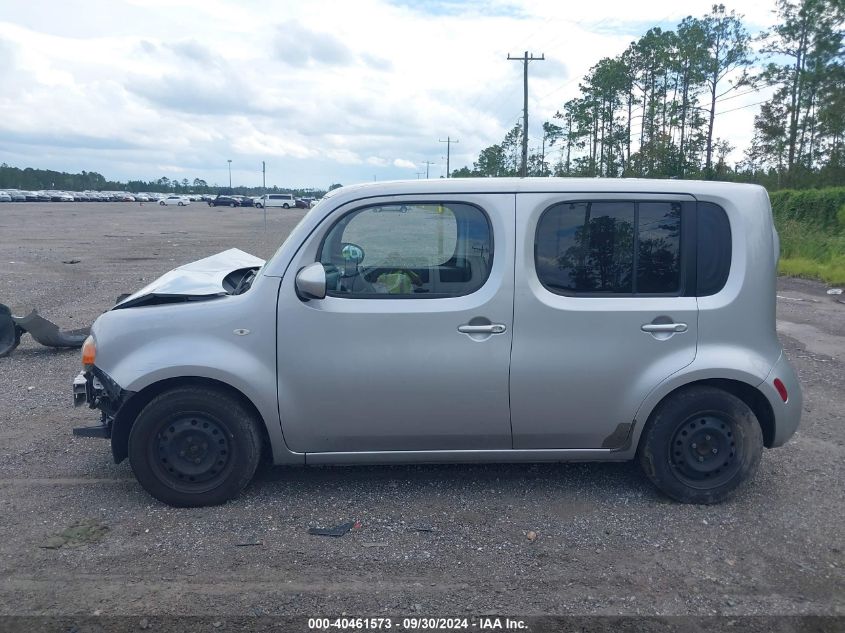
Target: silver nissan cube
{"x":477,"y":320}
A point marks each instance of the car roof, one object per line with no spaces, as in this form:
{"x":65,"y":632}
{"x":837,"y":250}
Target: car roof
{"x":541,"y":185}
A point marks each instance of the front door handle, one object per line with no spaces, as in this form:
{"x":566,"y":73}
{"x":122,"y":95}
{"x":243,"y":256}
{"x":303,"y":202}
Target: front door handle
{"x":493,"y":328}
{"x":664,"y":327}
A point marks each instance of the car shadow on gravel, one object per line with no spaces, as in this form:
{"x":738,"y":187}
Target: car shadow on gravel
{"x":598,"y":480}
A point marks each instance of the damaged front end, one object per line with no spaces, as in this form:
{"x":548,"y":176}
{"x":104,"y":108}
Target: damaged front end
{"x":96,"y":389}
{"x":213,"y":278}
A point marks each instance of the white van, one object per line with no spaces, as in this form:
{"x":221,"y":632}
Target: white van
{"x":283,"y":200}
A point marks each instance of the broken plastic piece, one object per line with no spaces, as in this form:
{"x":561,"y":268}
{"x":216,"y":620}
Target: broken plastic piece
{"x":48,"y":333}
{"x":338,"y":530}
{"x":44,"y":331}
{"x":10,"y":334}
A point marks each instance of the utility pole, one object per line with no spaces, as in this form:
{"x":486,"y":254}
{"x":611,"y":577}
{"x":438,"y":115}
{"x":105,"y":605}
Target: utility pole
{"x":449,"y":140}
{"x":264,"y":191}
{"x":230,"y":172}
{"x":427,"y":164}
{"x":419,"y":173}
{"x":525,"y":59}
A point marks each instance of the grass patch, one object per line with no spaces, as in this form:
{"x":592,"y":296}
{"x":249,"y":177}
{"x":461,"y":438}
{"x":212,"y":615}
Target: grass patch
{"x":830,"y":272}
{"x":811,"y":225}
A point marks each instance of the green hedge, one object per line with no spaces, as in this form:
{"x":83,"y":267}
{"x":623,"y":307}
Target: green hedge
{"x":811,"y":224}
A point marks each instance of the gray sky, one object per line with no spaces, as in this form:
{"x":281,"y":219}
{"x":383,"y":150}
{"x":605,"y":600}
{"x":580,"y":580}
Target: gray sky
{"x":324,"y":91}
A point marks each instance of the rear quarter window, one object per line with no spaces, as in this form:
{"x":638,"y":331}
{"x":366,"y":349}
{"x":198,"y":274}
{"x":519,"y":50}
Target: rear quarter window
{"x":713,"y":236}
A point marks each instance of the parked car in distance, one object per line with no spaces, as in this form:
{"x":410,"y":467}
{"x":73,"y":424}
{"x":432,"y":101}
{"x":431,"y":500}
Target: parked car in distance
{"x":17,"y":195}
{"x":179,"y":201}
{"x":5,"y":197}
{"x":224,"y":201}
{"x":59,"y":196}
{"x":281,"y":200}
{"x":501,"y":320}
{"x":299,"y":203}
{"x":244,"y":201}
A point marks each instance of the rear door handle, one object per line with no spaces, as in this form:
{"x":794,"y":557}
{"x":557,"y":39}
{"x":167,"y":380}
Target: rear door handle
{"x":664,"y":327}
{"x":493,"y":328}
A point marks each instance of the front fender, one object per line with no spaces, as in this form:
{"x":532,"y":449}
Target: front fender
{"x":230,"y":339}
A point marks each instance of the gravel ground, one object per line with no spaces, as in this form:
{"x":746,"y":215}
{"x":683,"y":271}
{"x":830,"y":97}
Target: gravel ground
{"x":446,"y":540}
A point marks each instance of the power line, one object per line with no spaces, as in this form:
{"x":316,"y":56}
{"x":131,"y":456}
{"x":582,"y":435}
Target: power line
{"x":525,"y":59}
{"x":449,"y":140}
{"x":427,"y":164}
{"x":740,"y":108}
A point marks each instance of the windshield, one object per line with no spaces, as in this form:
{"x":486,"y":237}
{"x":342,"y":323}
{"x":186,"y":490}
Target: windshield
{"x":294,"y":237}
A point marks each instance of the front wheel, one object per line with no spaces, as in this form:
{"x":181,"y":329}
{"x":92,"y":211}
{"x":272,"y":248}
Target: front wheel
{"x":194,"y":446}
{"x":259,"y":205}
{"x":162,"y":203}
{"x":701,"y":445}
{"x":232,"y":204}
{"x":181,"y":204}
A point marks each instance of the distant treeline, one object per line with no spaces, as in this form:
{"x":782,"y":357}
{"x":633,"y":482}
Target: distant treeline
{"x":654,"y":110}
{"x":29,"y":179}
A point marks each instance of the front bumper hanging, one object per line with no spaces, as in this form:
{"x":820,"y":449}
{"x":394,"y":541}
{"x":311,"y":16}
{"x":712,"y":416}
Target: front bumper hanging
{"x":88,"y":389}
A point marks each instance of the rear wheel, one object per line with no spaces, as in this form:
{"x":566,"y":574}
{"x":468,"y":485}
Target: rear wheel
{"x":701,"y":445}
{"x":286,"y":205}
{"x":194,"y":446}
{"x":231,"y":204}
{"x":181,"y":204}
{"x":162,"y":203}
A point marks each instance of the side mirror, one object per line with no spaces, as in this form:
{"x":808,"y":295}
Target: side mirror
{"x":311,"y":282}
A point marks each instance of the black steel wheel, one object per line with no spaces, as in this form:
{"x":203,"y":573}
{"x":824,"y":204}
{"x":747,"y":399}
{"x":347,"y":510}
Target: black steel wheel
{"x":701,"y":444}
{"x":703,"y":450}
{"x":191,"y":452}
{"x":194,"y":446}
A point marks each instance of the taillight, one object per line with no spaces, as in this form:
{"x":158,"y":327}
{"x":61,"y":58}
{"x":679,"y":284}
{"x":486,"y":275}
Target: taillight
{"x":778,"y":383}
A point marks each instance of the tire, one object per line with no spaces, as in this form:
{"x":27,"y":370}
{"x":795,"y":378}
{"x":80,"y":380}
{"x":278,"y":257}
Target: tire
{"x":181,"y":204}
{"x":162,"y":203}
{"x":189,"y":420}
{"x":211,"y":204}
{"x":676,"y":450}
{"x":286,"y":205}
{"x":260,"y":206}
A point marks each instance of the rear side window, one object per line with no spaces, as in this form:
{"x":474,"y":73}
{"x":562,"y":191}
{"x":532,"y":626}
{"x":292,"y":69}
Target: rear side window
{"x":618,"y":248}
{"x":408,"y":250}
{"x":713,"y":233}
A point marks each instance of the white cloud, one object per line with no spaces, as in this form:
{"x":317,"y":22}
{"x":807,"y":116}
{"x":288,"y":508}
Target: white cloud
{"x":321,"y":90}
{"x":404,"y":164}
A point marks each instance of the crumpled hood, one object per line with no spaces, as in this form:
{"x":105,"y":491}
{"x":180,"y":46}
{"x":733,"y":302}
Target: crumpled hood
{"x":202,"y":278}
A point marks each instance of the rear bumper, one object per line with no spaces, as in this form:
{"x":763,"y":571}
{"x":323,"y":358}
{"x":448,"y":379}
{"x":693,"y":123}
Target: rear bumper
{"x":787,"y":415}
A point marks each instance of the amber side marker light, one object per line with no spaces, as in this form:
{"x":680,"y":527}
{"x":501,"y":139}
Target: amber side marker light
{"x":778,"y":383}
{"x":89,"y":352}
